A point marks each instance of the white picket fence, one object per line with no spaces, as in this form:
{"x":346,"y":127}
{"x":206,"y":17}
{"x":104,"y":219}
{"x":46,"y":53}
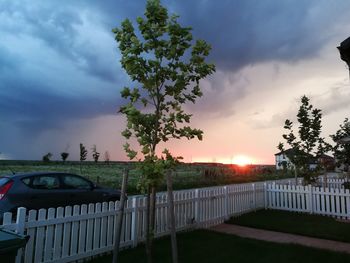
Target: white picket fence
{"x":74,"y":233}
{"x":81,"y":232}
{"x":336,"y":183}
{"x":315,"y":200}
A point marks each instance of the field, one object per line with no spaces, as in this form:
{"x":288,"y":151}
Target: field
{"x":186,"y":175}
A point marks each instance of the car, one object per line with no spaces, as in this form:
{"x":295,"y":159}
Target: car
{"x":50,"y":189}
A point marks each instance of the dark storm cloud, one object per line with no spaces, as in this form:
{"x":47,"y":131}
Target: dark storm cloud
{"x":58,"y":27}
{"x":34,"y":110}
{"x":245,"y":33}
{"x":31,"y":101}
{"x":8,"y":61}
{"x":249,"y":32}
{"x":77,"y":35}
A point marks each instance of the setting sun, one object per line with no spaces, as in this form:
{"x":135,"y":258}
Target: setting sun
{"x":242,"y":160}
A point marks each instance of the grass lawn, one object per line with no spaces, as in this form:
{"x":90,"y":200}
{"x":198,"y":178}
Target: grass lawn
{"x":204,"y":246}
{"x":296,"y":223}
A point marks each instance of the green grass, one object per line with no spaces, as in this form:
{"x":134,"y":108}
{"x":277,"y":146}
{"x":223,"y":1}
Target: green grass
{"x":296,"y":223}
{"x":110,"y":175}
{"x":210,"y":247}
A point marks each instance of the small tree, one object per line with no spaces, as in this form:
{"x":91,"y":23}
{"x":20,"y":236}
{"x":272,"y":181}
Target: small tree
{"x":64,"y":156}
{"x":83,"y":155}
{"x":95,"y":154}
{"x":308,"y":141}
{"x":342,"y":150}
{"x":47,"y":157}
{"x":167,"y":66}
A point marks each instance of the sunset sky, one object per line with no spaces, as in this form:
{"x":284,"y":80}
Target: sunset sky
{"x":60,"y":75}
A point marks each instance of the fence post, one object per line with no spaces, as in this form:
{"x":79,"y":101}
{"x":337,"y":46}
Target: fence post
{"x":265,"y":196}
{"x":254,"y":197}
{"x":347,"y":192}
{"x":310,"y":199}
{"x":20,"y":221}
{"x":196,"y":206}
{"x":7,"y":220}
{"x":226,"y":211}
{"x":20,"y":224}
{"x":134,"y":222}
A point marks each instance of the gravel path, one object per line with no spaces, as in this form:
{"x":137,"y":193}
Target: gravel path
{"x":282,"y":237}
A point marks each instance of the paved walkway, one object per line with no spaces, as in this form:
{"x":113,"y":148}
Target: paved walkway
{"x":282,"y":237}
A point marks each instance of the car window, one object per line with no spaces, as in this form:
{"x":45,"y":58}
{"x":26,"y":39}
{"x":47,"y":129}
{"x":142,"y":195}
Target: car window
{"x":26,"y":181}
{"x":71,"y":181}
{"x":45,"y":182}
{"x":3,"y":180}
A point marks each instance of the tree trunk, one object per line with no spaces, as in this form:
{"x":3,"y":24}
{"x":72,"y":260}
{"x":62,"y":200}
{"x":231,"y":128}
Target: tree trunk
{"x":152,"y":221}
{"x":120,"y":216}
{"x":296,"y":175}
{"x":171,"y":216}
{"x":148,"y":232}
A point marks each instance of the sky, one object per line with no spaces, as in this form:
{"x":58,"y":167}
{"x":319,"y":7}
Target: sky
{"x":60,"y":76}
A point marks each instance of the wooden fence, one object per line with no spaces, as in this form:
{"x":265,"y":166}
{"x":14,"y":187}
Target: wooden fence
{"x":315,"y":200}
{"x":78,"y":232}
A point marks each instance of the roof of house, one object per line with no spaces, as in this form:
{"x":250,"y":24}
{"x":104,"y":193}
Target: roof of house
{"x":325,"y":156}
{"x":286,"y":152}
{"x":345,"y":140}
{"x":291,"y":151}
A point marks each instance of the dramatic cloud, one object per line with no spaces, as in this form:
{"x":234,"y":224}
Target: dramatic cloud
{"x":249,"y":32}
{"x":59,"y":62}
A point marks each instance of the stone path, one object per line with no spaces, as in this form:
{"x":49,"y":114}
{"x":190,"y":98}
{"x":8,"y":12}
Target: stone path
{"x":282,"y":237}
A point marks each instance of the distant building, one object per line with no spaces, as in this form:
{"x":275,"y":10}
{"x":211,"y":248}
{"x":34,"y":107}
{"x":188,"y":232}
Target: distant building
{"x":326,"y":160}
{"x":283,"y":161}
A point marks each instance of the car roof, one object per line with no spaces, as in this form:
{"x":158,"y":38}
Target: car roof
{"x":30,"y":174}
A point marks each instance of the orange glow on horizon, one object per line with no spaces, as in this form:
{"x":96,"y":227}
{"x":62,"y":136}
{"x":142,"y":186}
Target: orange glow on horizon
{"x":241,"y":160}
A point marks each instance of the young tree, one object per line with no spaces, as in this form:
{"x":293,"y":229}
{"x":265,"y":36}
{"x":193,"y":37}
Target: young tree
{"x":64,"y":156}
{"x":83,"y":154}
{"x":95,"y":154}
{"x":308,"y":141}
{"x":167,"y":66}
{"x":342,"y":150}
{"x":47,"y":157}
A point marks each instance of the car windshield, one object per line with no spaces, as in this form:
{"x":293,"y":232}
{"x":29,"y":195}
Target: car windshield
{"x":3,"y":180}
